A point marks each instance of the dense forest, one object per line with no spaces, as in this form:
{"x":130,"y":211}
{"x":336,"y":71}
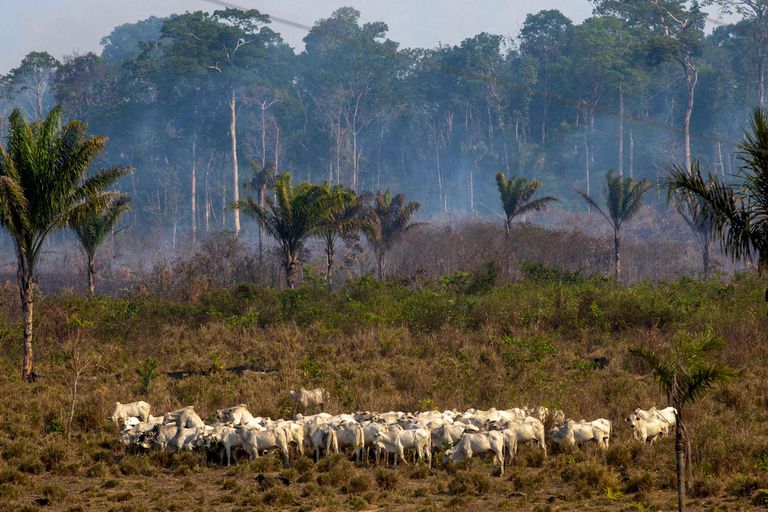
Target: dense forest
{"x":198,"y":102}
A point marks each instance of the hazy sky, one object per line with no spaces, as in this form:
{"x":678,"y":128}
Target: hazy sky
{"x":63,"y":27}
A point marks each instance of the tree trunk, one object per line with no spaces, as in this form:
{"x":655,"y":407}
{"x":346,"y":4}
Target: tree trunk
{"x":691,"y":77}
{"x":380,"y":263}
{"x":72,"y":405}
{"x":705,"y":258}
{"x":91,"y":275}
{"x":761,"y":78}
{"x":680,"y":461}
{"x":291,"y":266}
{"x":262,"y":201}
{"x":26,"y":291}
{"x":621,"y":131}
{"x":616,"y":255}
{"x":330,"y":252}
{"x":194,"y":188}
{"x":236,"y":178}
{"x":631,"y":153}
{"x":506,"y":228}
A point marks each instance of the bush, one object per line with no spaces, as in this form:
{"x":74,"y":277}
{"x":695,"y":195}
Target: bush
{"x":359,"y":484}
{"x":742,"y":485}
{"x":278,"y":496}
{"x":590,"y":477}
{"x":387,"y":479}
{"x":474,"y":483}
{"x":706,"y":487}
{"x":760,"y":498}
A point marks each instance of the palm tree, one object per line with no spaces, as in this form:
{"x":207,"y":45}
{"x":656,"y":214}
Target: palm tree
{"x":685,"y":374}
{"x":391,"y":218}
{"x":43,"y":187}
{"x":689,"y":207}
{"x":516,"y":196}
{"x":94,"y":228}
{"x":739,"y":214}
{"x":290,"y":218}
{"x":345,"y":221}
{"x":263,"y":178}
{"x":623,"y":199}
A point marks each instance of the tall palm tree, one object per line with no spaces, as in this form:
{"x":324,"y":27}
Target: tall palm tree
{"x":391,"y":219}
{"x":516,"y":196}
{"x":291,"y":218}
{"x":263,"y":178}
{"x":685,"y":374}
{"x":739,"y":213}
{"x":345,"y":220}
{"x":623,"y":199}
{"x":44,"y":186}
{"x":690,"y":207}
{"x":92,"y":229}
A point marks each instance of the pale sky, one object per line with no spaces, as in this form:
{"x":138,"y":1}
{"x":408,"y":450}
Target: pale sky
{"x":64,"y":27}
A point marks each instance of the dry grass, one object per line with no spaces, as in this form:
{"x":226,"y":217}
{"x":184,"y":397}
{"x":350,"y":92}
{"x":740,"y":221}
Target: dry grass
{"x":374,"y":348}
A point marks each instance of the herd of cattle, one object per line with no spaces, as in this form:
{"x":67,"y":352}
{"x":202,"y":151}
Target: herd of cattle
{"x":458,"y":435}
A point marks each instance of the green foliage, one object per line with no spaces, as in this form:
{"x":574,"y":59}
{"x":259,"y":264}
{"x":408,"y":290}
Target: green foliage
{"x":147,"y":372}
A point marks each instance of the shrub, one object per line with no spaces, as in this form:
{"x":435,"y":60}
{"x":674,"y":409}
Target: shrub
{"x":590,"y":477}
{"x":760,"y":498}
{"x":475,"y":482}
{"x":387,"y":479}
{"x":278,"y":496}
{"x":640,"y":482}
{"x":359,"y":484}
{"x":336,"y":472}
{"x":706,"y":487}
{"x":742,"y":485}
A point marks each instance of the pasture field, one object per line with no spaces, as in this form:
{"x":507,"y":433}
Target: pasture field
{"x":461,"y":341}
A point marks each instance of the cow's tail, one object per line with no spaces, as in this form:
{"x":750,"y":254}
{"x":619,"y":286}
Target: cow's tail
{"x":331,"y":442}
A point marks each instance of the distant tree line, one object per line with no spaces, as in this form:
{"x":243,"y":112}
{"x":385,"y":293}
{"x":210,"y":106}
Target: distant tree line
{"x":191,"y":100}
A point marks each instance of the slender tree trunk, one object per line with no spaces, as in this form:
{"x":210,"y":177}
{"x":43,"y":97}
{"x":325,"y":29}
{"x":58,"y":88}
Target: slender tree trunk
{"x":680,"y":461}
{"x":631,"y":153}
{"x":330,"y":252}
{"x":621,"y":131}
{"x":235,"y":171}
{"x":691,"y":76}
{"x":506,"y":228}
{"x":761,"y":78}
{"x":705,"y":257}
{"x":616,"y":254}
{"x":380,"y":263}
{"x":262,"y":200}
{"x":194,"y":188}
{"x":291,"y":267}
{"x":25,"y":275}
{"x":91,"y":274}
{"x":72,"y":405}
{"x":586,"y":161}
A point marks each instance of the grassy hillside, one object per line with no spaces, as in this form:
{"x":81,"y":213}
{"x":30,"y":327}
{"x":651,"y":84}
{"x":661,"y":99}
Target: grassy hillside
{"x":462,"y":341}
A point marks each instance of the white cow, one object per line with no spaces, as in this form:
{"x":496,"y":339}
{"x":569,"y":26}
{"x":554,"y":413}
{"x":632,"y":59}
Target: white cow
{"x":185,"y":417}
{"x":237,"y":415}
{"x":159,"y":436}
{"x":262,"y":440}
{"x":225,"y":436}
{"x":388,"y":441}
{"x":477,"y":444}
{"x":648,"y":426}
{"x":122,"y":412}
{"x":574,"y":432}
{"x":447,"y":435}
{"x":421,"y":441}
{"x":322,"y":438}
{"x":351,"y":435}
{"x":305,"y":398}
{"x":510,"y":444}
{"x":186,"y":439}
{"x":528,"y":431}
